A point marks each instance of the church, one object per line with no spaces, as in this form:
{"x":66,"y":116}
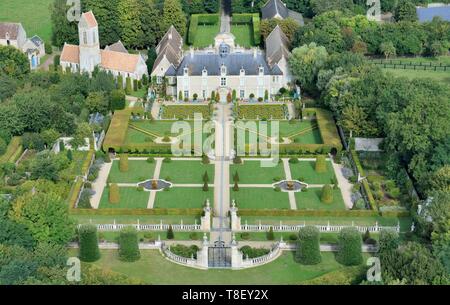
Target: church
{"x":88,"y":55}
{"x":222,"y":68}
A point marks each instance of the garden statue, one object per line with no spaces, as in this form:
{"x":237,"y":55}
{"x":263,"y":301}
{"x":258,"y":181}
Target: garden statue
{"x":154,"y":184}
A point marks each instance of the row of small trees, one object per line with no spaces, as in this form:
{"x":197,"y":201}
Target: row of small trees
{"x":132,"y":85}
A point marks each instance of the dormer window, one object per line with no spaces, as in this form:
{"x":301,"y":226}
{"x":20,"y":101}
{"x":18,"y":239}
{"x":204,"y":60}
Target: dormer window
{"x":185,"y":71}
{"x":223,"y":70}
{"x":204,"y":72}
{"x":242,"y":71}
{"x":261,"y":70}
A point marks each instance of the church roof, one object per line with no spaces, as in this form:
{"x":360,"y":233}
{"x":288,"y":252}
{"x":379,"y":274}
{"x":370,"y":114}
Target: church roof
{"x":234,"y":62}
{"x":90,"y":19}
{"x":277,"y":46}
{"x":70,"y":53}
{"x":9,"y":28}
{"x":119,"y":61}
{"x":117,"y":47}
{"x":273,"y":8}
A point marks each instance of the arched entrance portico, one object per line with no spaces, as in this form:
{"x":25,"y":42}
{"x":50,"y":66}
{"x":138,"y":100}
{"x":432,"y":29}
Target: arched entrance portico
{"x":223,"y":93}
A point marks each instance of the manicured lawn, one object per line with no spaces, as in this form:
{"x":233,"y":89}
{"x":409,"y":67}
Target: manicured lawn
{"x":185,"y":111}
{"x":251,"y":172}
{"x":137,"y":171}
{"x":135,"y":136}
{"x":34,"y":16}
{"x":186,"y":172}
{"x":243,"y":34}
{"x":139,"y":93}
{"x":130,"y":198}
{"x":310,"y":200}
{"x":149,"y":236}
{"x":307,"y":172}
{"x":205,"y":35}
{"x":129,"y":219}
{"x":152,"y":268}
{"x":260,"y":198}
{"x":262,"y":111}
{"x":440,"y":76}
{"x":184,"y":198}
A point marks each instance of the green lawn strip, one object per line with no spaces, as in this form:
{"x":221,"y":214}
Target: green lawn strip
{"x":261,"y":111}
{"x":260,"y":198}
{"x":133,"y":219}
{"x":153,"y":268}
{"x":34,"y":16}
{"x":134,"y":136}
{"x":205,"y":35}
{"x":440,"y":76}
{"x":140,"y":93}
{"x":325,"y":238}
{"x":251,"y":172}
{"x":185,"y":111}
{"x":310,"y":200}
{"x":150,"y":236}
{"x":243,"y":34}
{"x":130,"y":198}
{"x":186,"y":172}
{"x":306,"y":170}
{"x":183,"y":198}
{"x":139,"y":170}
{"x":405,"y":222}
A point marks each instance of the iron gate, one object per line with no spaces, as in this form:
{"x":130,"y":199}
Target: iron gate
{"x":219,"y":256}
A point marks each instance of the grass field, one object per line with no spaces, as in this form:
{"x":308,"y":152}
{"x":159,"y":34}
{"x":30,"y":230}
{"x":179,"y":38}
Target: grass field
{"x":251,"y":172}
{"x":183,"y":198}
{"x":261,"y":111}
{"x":243,"y":34}
{"x":130,"y":219}
{"x":260,"y":198}
{"x":137,"y":171}
{"x":310,"y":200}
{"x":305,"y":171}
{"x":152,"y":268}
{"x":130,"y":198}
{"x":34,"y":16}
{"x":186,"y":172}
{"x":439,"y":76}
{"x":205,"y":35}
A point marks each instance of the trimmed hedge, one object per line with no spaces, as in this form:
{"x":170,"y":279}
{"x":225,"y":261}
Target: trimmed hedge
{"x":196,"y":19}
{"x":365,"y":183}
{"x":350,"y":243}
{"x":327,"y":128}
{"x":117,"y":131}
{"x":327,"y":194}
{"x":13,"y":151}
{"x":321,"y":164}
{"x":114,"y":195}
{"x":156,"y":211}
{"x":76,"y":189}
{"x":128,"y":245}
{"x":326,"y":213}
{"x":89,"y":251}
{"x":308,"y":250}
{"x":88,"y":160}
{"x":123,"y":163}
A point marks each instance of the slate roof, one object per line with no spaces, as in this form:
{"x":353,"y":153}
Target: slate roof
{"x":171,"y":71}
{"x":277,"y":46}
{"x":428,"y":13}
{"x":117,"y":47}
{"x":212,"y":62}
{"x":297,"y":17}
{"x":273,"y":8}
{"x":276,"y":70}
{"x":37,"y":40}
{"x":172,"y":38}
{"x":11,"y":28}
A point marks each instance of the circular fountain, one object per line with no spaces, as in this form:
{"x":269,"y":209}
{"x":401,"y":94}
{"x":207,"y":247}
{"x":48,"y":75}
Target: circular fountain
{"x":155,"y":184}
{"x":290,"y":185}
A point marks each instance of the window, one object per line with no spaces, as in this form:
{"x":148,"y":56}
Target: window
{"x":223,"y":81}
{"x":223,"y":70}
{"x":186,"y":94}
{"x":94,"y":37}
{"x":204,"y":94}
{"x":261,"y":70}
{"x":242,"y":94}
{"x":84,"y":38}
{"x":185,"y":71}
{"x":159,"y":80}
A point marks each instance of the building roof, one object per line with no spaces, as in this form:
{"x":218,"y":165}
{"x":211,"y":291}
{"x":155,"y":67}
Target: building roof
{"x":90,"y":19}
{"x":71,"y":53}
{"x":119,"y":61}
{"x":428,"y":13}
{"x":172,"y":38}
{"x":170,"y":54}
{"x":37,"y":41}
{"x":117,"y":47}
{"x":277,"y":46}
{"x":213,"y":62}
{"x":276,"y":70}
{"x":171,"y":71}
{"x":296,"y":16}
{"x":12,"y":29}
{"x":274,"y":8}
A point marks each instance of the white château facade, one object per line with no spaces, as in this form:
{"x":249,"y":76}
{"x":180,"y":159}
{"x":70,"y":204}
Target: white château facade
{"x":88,"y":55}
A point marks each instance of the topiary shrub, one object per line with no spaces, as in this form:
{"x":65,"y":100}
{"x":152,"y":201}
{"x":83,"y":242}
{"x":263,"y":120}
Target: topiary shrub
{"x":87,"y":236}
{"x":235,"y":187}
{"x":123,"y":163}
{"x":308,"y":249}
{"x":128,"y":245}
{"x":270,"y":235}
{"x":245,"y":236}
{"x":128,"y":86}
{"x":327,"y":194}
{"x":205,"y":186}
{"x":170,"y":234}
{"x":114,"y":194}
{"x":349,"y":244}
{"x":321,"y":165}
{"x":205,"y":159}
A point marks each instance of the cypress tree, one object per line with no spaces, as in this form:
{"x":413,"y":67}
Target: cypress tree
{"x":114,"y":195}
{"x":69,"y":155}
{"x":308,"y":247}
{"x":129,"y":86}
{"x":327,"y":194}
{"x":170,"y":234}
{"x":270,"y":235}
{"x":128,"y":245}
{"x":349,"y":243}
{"x":321,"y":165}
{"x":89,"y":251}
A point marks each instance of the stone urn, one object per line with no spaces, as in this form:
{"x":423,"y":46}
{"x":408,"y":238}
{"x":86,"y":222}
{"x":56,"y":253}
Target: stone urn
{"x":154,"y":184}
{"x":290,"y":185}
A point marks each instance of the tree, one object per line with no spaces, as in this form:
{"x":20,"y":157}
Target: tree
{"x":172,"y":14}
{"x":205,"y":177}
{"x":388,"y":243}
{"x":289,"y":27}
{"x":119,"y":82}
{"x":405,"y":10}
{"x":322,"y":6}
{"x":62,"y":29}
{"x":8,"y":86}
{"x":349,"y":243}
{"x":130,"y":22}
{"x":438,"y":48}
{"x":45,"y":215}
{"x":180,"y":95}
{"x":14,"y":63}
{"x":306,"y":62}
{"x":388,"y":49}
{"x":17,"y":271}
{"x":440,"y":179}
{"x":327,"y":194}
{"x":128,"y":86}
{"x":69,"y":155}
{"x":13,"y":233}
{"x":236,"y":177}
{"x":236,"y":187}
{"x":89,"y":251}
{"x":123,"y":162}
{"x":97,"y":102}
{"x":205,"y":159}
{"x":3,"y":146}
{"x":135,"y":85}
{"x":117,"y":100}
{"x":114,"y":194}
{"x":128,"y":245}
{"x":106,"y":13}
{"x":321,"y":164}
{"x":354,"y":119}
{"x":270,"y":235}
{"x":170,"y":234}
{"x":49,"y":136}
{"x":308,"y":249}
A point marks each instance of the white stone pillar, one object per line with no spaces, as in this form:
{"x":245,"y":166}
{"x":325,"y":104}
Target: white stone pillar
{"x":206,"y":220}
{"x":235,"y":220}
{"x":202,"y":254}
{"x":236,"y":255}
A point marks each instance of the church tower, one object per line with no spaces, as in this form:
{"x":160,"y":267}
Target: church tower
{"x":90,"y":55}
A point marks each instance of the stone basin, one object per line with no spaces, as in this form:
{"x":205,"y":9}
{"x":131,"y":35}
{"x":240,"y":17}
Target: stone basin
{"x":155,"y":184}
{"x":290,"y":185}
